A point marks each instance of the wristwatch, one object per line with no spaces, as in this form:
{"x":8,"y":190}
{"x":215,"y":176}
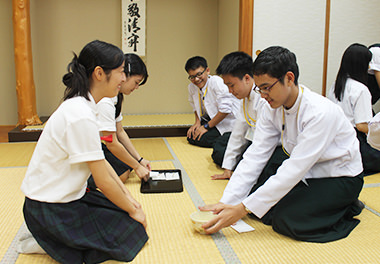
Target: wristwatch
{"x":207,"y":126}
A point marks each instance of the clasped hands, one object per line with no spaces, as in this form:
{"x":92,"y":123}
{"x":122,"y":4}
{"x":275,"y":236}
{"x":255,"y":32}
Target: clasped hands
{"x":196,"y":131}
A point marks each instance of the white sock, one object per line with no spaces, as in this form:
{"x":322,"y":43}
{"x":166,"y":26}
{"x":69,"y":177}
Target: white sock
{"x":25,"y":235}
{"x":29,"y":246}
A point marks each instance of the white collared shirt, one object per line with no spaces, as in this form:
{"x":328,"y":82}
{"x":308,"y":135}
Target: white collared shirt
{"x":58,"y":172}
{"x":106,"y":114}
{"x":321,"y":142}
{"x":243,"y":132}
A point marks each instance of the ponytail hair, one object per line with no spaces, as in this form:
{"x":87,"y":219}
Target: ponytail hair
{"x":134,"y":65}
{"x":354,"y":65}
{"x":95,"y":53}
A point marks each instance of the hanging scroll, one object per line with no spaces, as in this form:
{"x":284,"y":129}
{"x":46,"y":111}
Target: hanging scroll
{"x":133,"y":26}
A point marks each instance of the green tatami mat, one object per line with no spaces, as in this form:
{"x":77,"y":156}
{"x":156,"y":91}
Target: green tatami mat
{"x":158,"y":120}
{"x":152,"y":148}
{"x":371,"y":197}
{"x":11,"y":202}
{"x":263,"y":245}
{"x":16,"y":154}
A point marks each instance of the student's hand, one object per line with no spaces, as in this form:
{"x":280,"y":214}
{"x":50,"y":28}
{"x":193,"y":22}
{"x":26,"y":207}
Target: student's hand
{"x":142,"y":172}
{"x":224,"y":176}
{"x":191,"y":130}
{"x":139,"y":216}
{"x":226,"y":216}
{"x":146,"y":164}
{"x":199,"y":132}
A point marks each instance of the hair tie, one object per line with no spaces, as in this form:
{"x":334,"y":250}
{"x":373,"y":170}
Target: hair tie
{"x":129,"y":67}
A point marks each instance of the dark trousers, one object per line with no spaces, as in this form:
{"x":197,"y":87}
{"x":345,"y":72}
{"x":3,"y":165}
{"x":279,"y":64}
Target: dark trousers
{"x":322,"y":210}
{"x":207,"y":140}
{"x":219,"y":148}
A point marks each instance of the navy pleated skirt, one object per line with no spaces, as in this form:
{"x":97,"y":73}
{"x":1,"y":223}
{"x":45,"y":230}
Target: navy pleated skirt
{"x":89,"y":230}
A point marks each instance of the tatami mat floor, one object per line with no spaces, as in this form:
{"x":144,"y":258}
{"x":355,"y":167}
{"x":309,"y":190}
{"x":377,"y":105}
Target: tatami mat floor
{"x":172,"y":239}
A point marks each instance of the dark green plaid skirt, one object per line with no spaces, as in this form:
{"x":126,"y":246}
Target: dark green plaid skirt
{"x":89,"y":230}
{"x":322,"y":210}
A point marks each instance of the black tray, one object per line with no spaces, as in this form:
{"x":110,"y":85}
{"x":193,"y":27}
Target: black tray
{"x":162,"y":186}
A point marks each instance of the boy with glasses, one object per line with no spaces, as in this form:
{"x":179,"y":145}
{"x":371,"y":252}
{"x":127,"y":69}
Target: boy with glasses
{"x":313,"y":196}
{"x":214,"y":107}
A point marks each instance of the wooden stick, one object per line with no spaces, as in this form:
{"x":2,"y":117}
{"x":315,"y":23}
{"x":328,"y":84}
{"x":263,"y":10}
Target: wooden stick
{"x":26,"y":96}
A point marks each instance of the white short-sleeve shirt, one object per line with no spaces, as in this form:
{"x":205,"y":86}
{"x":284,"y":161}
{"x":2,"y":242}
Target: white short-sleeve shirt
{"x":106,"y":114}
{"x":355,"y":102}
{"x":58,"y":172}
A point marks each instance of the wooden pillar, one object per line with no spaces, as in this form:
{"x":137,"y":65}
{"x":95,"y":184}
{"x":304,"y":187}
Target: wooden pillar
{"x":326,"y":48}
{"x":246,"y":26}
{"x":26,"y":95}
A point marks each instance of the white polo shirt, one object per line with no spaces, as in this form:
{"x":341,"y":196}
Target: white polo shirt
{"x":57,"y":172}
{"x":106,"y":114}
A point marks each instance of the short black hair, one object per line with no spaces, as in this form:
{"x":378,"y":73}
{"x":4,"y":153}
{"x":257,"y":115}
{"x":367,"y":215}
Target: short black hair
{"x":195,"y":62}
{"x":237,"y":64}
{"x":276,"y":61}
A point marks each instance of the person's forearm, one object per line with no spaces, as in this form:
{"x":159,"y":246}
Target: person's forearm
{"x":362,"y":127}
{"x":110,"y":186}
{"x":126,"y":141}
{"x":122,"y":154}
{"x":217,"y":119}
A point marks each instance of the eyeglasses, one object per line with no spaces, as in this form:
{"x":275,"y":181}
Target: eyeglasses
{"x":198,"y":75}
{"x":265,"y":90}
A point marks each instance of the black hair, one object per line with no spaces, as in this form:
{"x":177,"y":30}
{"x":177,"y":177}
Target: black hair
{"x":354,"y":65}
{"x":195,"y":62}
{"x":276,"y":61}
{"x":236,"y":64}
{"x":95,"y":53}
{"x":134,"y":65}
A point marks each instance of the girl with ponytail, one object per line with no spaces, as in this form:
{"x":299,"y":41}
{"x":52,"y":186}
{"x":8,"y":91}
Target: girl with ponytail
{"x":67,"y":219}
{"x":119,"y":150}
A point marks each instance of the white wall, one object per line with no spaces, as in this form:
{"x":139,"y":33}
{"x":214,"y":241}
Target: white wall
{"x":297,"y":25}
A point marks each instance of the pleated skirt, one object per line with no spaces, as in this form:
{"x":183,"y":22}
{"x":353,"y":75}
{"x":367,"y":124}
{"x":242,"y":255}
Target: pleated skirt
{"x":89,"y":230}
